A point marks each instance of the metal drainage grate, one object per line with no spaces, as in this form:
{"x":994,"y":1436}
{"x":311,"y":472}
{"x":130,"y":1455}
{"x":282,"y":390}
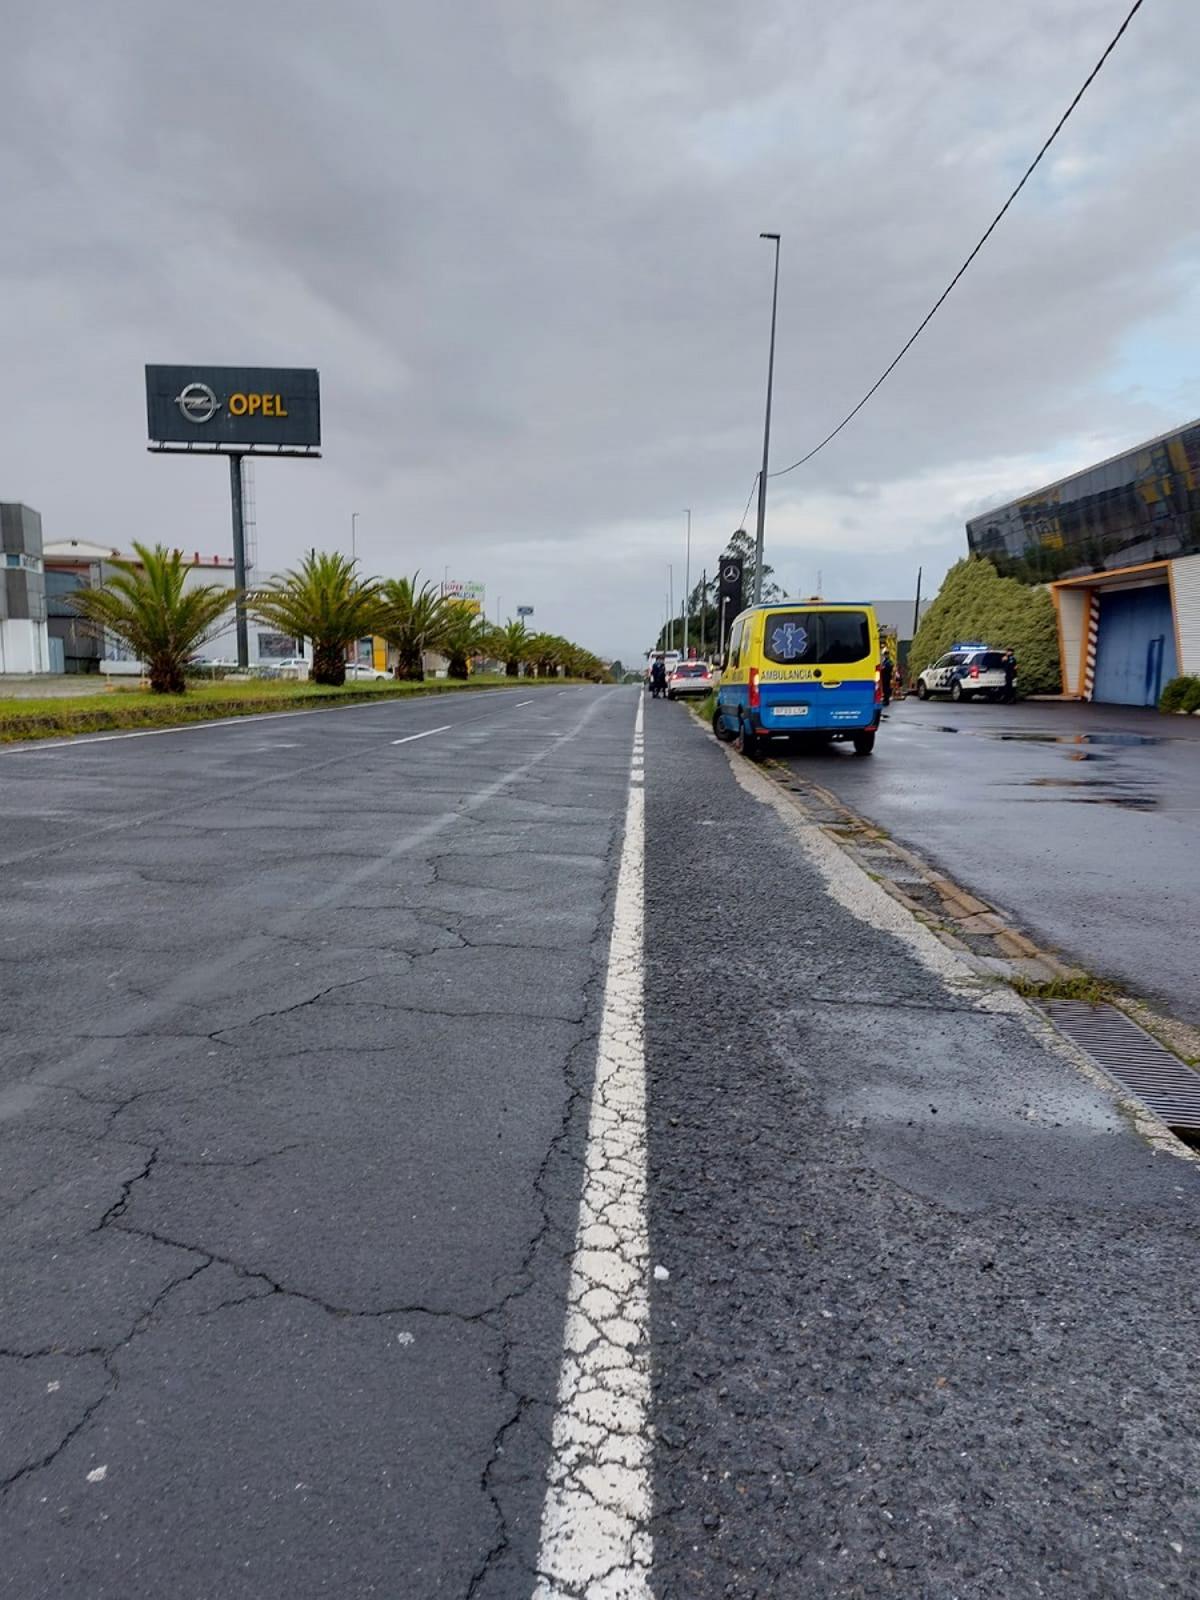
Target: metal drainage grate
{"x":1160,"y":1080}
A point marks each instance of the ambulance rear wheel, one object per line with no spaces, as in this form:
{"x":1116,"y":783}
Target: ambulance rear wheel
{"x":864,"y":743}
{"x":747,"y":742}
{"x":719,"y":728}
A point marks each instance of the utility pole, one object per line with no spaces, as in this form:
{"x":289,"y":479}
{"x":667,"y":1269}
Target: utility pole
{"x":353,"y":535}
{"x":671,"y":604}
{"x":917,"y":604}
{"x":703,"y":604}
{"x":762,"y":477}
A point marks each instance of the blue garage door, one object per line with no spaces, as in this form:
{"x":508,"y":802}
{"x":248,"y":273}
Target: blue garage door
{"x":1135,"y":652}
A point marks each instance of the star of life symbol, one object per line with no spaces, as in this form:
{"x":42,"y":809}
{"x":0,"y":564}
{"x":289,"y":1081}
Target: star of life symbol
{"x":789,"y":640}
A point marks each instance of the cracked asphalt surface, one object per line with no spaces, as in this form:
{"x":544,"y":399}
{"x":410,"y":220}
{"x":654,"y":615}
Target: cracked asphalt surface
{"x":300,"y":1030}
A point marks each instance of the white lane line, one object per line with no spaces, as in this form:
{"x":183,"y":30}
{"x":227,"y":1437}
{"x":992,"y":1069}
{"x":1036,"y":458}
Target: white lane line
{"x":521,"y":703}
{"x":595,"y":1537}
{"x":408,"y":739}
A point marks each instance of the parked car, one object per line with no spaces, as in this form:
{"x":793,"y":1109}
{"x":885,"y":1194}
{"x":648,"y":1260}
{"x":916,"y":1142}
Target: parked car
{"x":362,"y":673}
{"x":963,"y":673}
{"x":801,"y":669}
{"x":689,"y":677}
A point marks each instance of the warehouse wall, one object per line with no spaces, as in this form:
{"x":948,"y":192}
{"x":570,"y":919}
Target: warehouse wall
{"x":1185,"y":582}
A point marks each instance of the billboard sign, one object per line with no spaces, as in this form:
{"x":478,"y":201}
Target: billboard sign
{"x":456,"y":589}
{"x":729,"y":587}
{"x":234,"y":408}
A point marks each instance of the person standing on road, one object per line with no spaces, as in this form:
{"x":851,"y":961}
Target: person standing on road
{"x":886,"y":672}
{"x":1010,"y":677}
{"x":658,"y":677}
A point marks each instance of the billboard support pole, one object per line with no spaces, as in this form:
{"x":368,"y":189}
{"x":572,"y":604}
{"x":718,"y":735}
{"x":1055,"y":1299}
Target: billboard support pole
{"x":239,"y":559}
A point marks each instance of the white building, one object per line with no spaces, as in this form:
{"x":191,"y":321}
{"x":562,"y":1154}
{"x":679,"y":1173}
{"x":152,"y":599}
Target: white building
{"x":72,"y":564}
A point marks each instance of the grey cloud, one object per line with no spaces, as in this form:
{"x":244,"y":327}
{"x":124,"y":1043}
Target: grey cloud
{"x":520,"y":240}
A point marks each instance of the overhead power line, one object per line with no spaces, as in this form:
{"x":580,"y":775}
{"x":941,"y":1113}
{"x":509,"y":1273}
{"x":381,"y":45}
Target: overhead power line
{"x":753,"y":487}
{"x":992,"y":226}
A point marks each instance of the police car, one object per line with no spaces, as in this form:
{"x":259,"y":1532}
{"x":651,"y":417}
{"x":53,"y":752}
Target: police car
{"x":966,"y":670}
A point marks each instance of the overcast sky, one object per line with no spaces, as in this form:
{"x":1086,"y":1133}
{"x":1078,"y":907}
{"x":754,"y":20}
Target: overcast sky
{"x":519,"y":238}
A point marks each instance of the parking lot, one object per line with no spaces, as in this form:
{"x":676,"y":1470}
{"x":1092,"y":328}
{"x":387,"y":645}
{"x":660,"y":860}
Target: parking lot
{"x":1080,"y":821}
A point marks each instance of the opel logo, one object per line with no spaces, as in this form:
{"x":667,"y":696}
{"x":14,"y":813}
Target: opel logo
{"x":197,"y":402}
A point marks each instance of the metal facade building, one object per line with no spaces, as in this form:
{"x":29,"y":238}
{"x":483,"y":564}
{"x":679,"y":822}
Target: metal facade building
{"x":1119,"y":545}
{"x":24,"y":643}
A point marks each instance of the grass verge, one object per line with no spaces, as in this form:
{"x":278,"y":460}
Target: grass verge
{"x":139,"y":708}
{"x":1076,"y":986}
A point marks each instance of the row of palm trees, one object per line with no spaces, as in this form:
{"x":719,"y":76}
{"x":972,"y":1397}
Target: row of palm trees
{"x":325,"y":600}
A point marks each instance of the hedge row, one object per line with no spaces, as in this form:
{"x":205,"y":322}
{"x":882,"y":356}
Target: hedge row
{"x":1181,"y":694}
{"x":65,"y":717}
{"x":975,"y":602}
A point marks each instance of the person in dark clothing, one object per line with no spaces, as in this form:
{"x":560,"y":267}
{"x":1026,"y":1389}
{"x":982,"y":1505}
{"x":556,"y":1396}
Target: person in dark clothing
{"x":1010,"y":676}
{"x":887,"y":670}
{"x":658,"y":677}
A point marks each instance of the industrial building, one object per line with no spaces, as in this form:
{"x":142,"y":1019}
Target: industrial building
{"x":1119,"y":546}
{"x":73,"y":564}
{"x":24,"y":641}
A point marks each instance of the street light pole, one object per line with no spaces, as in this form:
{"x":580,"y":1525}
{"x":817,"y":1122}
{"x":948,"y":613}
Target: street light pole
{"x":671,"y":604}
{"x":687,"y":581}
{"x":762,"y":477}
{"x":353,"y":534}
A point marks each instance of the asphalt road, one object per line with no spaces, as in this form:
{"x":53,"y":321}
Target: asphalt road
{"x":1080,"y":821}
{"x":297,"y":1042}
{"x":296,"y":1109}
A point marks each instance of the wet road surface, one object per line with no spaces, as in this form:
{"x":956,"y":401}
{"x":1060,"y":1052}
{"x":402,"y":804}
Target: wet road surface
{"x":1081,"y":822}
{"x":881,"y":1296}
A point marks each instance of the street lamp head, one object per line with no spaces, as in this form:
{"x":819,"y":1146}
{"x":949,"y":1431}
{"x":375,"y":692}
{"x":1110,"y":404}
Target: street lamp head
{"x":768,"y":236}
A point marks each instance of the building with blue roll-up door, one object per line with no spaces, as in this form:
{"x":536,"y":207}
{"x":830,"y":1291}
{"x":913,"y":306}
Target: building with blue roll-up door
{"x":1119,"y":546}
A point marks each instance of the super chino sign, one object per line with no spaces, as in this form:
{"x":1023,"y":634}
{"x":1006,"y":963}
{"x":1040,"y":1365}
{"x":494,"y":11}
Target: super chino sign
{"x":234,"y":408}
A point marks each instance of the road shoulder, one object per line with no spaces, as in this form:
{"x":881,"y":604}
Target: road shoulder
{"x":905,"y":1235}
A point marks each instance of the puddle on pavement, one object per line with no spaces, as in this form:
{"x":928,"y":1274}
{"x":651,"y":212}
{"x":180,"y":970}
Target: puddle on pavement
{"x":1062,"y":783}
{"x":1060,"y":738}
{"x":1123,"y":802}
{"x":1078,"y":738}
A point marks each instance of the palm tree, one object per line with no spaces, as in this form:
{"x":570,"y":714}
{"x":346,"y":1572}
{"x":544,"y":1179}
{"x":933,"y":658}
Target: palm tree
{"x":326,"y":601}
{"x":415,"y":619}
{"x":547,"y":652}
{"x":147,"y":607}
{"x":464,"y":636}
{"x":511,"y":645}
